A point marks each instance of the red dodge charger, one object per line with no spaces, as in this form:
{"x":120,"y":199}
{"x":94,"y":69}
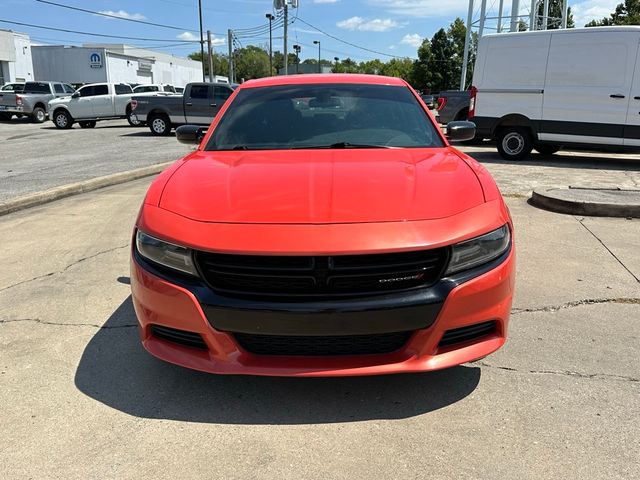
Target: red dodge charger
{"x":324,"y":226}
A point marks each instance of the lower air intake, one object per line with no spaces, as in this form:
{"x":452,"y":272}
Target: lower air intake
{"x":322,"y":345}
{"x":182,"y":337}
{"x":468,"y":333}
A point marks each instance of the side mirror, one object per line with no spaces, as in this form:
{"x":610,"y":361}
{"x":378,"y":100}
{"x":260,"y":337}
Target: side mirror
{"x":190,"y":134}
{"x":75,"y":95}
{"x":460,"y":131}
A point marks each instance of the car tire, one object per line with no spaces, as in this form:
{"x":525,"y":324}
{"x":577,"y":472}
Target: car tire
{"x":5,"y":117}
{"x":133,"y":121}
{"x":62,"y":120}
{"x":87,"y":124}
{"x":160,"y":125}
{"x":39,"y":115}
{"x":545,"y":149}
{"x":514,"y":143}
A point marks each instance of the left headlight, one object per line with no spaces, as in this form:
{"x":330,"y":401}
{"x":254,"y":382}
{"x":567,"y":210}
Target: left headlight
{"x":479,"y":250}
{"x":165,"y":253}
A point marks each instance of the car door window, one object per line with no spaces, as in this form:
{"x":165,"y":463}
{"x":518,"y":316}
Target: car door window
{"x":87,"y":91}
{"x":199,"y":92}
{"x":58,"y":88}
{"x":123,"y":89}
{"x":221,"y":94}
{"x":68,"y":88}
{"x":101,"y":90}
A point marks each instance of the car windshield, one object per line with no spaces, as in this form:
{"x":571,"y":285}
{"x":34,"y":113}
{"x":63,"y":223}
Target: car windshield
{"x":324,"y":116}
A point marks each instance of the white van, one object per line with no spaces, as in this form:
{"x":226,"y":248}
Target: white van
{"x":547,"y":89}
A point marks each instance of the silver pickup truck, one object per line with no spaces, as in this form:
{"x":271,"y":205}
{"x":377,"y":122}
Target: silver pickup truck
{"x":32,"y":101}
{"x":198,"y":106}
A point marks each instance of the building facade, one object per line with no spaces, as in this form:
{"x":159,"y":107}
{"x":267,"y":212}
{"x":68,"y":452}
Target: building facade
{"x":117,"y":63}
{"x":15,"y":57}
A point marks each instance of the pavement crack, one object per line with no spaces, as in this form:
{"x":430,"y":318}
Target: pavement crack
{"x":565,"y":373}
{"x":84,"y":259}
{"x":578,"y":303}
{"x":581,"y":222}
{"x":44,"y":322}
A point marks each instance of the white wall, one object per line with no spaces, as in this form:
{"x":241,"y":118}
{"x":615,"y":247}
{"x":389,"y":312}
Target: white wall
{"x":67,"y":64}
{"x":15,"y":55}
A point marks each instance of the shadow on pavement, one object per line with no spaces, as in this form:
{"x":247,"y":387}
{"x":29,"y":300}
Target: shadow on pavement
{"x":145,"y":133}
{"x":116,"y":371}
{"x":603,"y":162}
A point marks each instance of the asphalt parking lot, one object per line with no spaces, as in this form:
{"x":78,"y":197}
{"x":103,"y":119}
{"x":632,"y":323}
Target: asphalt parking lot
{"x":81,"y":399}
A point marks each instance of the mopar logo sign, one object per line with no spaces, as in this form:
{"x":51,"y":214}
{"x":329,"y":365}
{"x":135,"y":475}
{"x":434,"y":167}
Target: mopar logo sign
{"x":95,"y":60}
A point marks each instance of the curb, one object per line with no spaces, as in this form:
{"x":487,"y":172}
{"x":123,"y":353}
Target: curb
{"x":559,"y":200}
{"x":53,"y":194}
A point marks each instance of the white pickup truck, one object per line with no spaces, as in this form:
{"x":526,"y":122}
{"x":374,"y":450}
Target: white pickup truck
{"x":91,"y":103}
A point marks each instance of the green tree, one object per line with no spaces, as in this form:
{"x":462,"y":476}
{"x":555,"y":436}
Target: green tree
{"x":372,"y":67}
{"x":398,"y":67}
{"x":278,"y":60}
{"x":555,"y":15}
{"x":627,"y":13}
{"x":220,"y":63}
{"x":420,"y":73}
{"x":251,"y":62}
{"x":444,"y":63}
{"x":346,"y":66}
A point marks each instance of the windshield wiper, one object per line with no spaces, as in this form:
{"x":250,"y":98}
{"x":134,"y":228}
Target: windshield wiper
{"x":340,"y":145}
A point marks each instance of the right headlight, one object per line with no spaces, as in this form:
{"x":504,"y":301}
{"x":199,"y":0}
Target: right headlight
{"x":164,"y":253}
{"x":479,"y":250}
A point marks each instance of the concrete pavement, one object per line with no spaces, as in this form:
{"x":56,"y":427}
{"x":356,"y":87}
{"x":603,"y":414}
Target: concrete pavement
{"x":81,"y":399}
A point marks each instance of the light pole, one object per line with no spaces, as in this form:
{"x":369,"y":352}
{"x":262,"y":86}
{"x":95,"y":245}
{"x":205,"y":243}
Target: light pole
{"x":297,"y":48}
{"x":270,"y":18}
{"x":201,"y":38}
{"x":317,"y":42}
{"x":335,"y":59}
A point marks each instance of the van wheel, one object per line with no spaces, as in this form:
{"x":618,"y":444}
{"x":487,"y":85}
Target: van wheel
{"x":159,"y":124}
{"x":38,"y":115}
{"x":62,"y":119}
{"x":88,"y":124}
{"x":514,"y":143}
{"x":545,"y":149}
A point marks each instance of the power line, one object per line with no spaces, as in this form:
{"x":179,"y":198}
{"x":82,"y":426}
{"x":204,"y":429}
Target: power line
{"x":108,"y":15}
{"x":346,"y":42}
{"x":22,"y":24}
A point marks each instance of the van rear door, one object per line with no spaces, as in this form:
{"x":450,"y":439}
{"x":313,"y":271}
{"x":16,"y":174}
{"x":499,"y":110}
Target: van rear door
{"x":632,"y":127}
{"x":588,"y":81}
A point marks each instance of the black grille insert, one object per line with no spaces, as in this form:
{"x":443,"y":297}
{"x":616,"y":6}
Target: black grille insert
{"x":322,"y":345}
{"x":326,"y":276}
{"x":189,"y":339}
{"x":468,"y":333}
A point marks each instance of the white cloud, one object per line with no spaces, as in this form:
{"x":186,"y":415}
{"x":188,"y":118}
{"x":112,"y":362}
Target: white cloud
{"x":413,"y":39}
{"x":423,"y":8}
{"x":188,"y":36}
{"x":584,"y":12}
{"x":326,"y":1}
{"x":375,"y":25}
{"x":123,"y":14}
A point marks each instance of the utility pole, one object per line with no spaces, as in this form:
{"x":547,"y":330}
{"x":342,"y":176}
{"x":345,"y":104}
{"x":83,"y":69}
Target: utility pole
{"x":500,"y":10}
{"x":230,"y":42}
{"x":545,"y":15}
{"x":201,"y":38}
{"x":286,"y":21}
{"x":317,"y":42}
{"x":565,"y":11}
{"x":270,"y":17}
{"x":533,"y":15}
{"x":210,"y":55}
{"x":467,"y":42}
{"x":483,"y":16}
{"x":515,"y":10}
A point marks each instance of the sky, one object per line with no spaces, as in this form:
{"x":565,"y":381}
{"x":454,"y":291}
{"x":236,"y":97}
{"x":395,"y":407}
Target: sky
{"x":372,"y":28}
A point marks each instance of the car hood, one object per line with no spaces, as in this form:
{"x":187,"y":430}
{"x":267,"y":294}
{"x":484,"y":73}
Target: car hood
{"x":322,"y":186}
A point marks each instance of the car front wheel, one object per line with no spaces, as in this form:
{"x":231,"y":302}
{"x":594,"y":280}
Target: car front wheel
{"x":160,"y":125}
{"x":62,"y":120}
{"x":514,"y":143}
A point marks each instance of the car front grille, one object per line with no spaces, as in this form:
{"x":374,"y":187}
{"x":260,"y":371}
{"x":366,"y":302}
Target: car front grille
{"x":322,"y":345}
{"x":326,"y":276}
{"x":468,"y":333}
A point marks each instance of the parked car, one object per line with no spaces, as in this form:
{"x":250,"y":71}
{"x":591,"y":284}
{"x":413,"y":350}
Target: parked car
{"x":154,"y":88}
{"x":541,"y":90}
{"x":12,"y":87}
{"x":323,"y":241}
{"x":32,"y":101}
{"x":452,"y":105}
{"x":198,"y":105}
{"x":92,"y":103}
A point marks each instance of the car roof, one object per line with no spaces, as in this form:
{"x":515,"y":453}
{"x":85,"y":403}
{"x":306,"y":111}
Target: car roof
{"x":309,"y":79}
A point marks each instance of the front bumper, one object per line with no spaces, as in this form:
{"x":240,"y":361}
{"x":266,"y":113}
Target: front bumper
{"x":448,"y":305}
